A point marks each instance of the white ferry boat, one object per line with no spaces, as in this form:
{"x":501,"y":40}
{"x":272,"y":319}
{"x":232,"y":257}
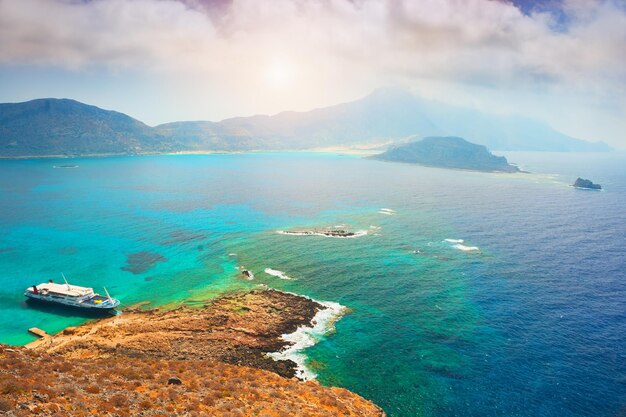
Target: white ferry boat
{"x":71,"y":296}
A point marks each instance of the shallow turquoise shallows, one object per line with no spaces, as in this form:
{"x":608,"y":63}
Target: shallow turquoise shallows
{"x":471,"y":294}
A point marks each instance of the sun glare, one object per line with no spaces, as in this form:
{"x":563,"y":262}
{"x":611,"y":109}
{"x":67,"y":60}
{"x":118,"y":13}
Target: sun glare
{"x":279,"y":74}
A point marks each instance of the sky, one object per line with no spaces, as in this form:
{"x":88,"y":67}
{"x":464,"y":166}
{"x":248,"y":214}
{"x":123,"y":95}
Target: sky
{"x":561,"y":61}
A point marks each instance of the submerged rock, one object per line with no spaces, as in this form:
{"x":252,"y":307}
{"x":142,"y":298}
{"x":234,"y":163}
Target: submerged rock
{"x":583,"y":183}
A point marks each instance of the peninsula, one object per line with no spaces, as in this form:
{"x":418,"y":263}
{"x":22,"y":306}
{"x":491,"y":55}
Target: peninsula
{"x":212,"y":360}
{"x":448,"y":152}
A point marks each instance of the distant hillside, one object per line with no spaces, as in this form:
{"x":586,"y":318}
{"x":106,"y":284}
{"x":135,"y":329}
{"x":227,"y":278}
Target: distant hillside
{"x":448,"y":152}
{"x":67,"y":127}
{"x":387,"y":116}
{"x":383,"y":117}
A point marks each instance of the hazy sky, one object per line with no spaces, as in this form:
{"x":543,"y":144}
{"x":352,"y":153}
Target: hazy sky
{"x":563,"y":61}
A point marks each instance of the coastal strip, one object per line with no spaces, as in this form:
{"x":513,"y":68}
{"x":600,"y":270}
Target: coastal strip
{"x":239,"y":328}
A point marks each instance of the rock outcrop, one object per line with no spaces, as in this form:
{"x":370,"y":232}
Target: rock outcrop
{"x":583,"y":183}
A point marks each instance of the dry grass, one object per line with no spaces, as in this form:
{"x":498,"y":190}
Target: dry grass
{"x":41,"y":384}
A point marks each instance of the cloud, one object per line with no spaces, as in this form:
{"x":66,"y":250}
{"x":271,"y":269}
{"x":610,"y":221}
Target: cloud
{"x":334,"y":48}
{"x":482,"y":39}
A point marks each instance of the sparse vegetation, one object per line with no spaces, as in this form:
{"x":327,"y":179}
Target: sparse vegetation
{"x":34,"y":383}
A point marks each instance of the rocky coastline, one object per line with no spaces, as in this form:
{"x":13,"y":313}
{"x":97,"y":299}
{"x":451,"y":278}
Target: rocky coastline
{"x":214,"y":360}
{"x":240,"y":329}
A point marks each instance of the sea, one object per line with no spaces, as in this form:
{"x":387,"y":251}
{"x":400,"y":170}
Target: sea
{"x":462,"y":294}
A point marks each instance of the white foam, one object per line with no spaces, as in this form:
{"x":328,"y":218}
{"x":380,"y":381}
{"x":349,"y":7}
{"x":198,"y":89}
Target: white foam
{"x":356,"y":234}
{"x":466,"y":248}
{"x":385,"y":212}
{"x":276,"y":273}
{"x":306,"y":336}
{"x":388,"y":210}
{"x":232,"y":254}
{"x":454,"y":240}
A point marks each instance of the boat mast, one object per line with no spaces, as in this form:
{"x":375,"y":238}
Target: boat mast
{"x":64,"y":279}
{"x":107,"y":293}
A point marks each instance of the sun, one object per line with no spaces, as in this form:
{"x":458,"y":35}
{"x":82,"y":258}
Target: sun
{"x":279,"y":74}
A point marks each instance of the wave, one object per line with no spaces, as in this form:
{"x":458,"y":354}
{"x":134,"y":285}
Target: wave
{"x":306,"y":336}
{"x":324,"y":233}
{"x":388,"y":210}
{"x":454,"y":240}
{"x":466,"y":248}
{"x":276,"y":273}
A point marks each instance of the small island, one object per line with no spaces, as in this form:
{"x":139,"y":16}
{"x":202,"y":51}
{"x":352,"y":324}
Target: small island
{"x":448,"y":152}
{"x":319,"y":232}
{"x":586,"y":184}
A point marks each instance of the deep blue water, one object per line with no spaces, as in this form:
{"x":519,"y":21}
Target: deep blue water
{"x":532,"y":324}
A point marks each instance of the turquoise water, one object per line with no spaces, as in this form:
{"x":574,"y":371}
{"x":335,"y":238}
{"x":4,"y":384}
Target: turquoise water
{"x":531,"y":324}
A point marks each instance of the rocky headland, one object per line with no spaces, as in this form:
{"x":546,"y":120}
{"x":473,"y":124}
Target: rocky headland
{"x":238,"y":328}
{"x":207,"y":361}
{"x":448,"y":152}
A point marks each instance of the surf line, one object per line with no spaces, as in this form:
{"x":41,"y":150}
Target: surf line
{"x":304,"y":337}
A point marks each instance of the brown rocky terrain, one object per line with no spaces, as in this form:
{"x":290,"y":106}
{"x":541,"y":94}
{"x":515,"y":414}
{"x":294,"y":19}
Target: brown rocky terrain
{"x":238,"y":329}
{"x":35,"y":383}
{"x":208,"y":361}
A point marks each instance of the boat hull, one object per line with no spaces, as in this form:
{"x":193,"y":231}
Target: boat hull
{"x":106,"y":308}
{"x":67,"y":311}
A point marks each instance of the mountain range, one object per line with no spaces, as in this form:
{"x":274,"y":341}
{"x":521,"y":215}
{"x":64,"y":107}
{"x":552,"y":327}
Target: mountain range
{"x":49,"y":126}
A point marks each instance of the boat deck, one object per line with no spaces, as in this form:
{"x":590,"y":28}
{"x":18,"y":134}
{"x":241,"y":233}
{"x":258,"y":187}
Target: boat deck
{"x":96,"y":300}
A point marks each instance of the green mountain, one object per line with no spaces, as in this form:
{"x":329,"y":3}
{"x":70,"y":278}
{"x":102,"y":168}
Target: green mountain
{"x":385,"y":117}
{"x":448,"y":152}
{"x":67,"y":127}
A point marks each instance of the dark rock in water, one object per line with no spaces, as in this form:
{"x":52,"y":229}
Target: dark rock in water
{"x":337,"y":233}
{"x":174,"y":381}
{"x":448,"y":152}
{"x":141,"y":262}
{"x":583,"y":183}
{"x":321,"y":232}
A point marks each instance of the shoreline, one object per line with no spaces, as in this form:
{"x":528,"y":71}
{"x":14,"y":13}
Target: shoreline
{"x":261,"y":328}
{"x":304,"y":337}
{"x":345,"y":151}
